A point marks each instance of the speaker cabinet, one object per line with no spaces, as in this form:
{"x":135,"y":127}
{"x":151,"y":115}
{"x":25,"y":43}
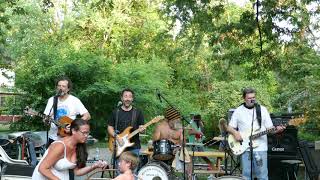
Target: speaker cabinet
{"x":283,"y":144}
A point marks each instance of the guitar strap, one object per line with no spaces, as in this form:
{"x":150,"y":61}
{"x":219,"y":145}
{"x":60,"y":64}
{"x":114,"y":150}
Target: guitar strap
{"x":116,"y":123}
{"x":55,"y":107}
{"x":258,"y":112}
{"x":134,"y":117}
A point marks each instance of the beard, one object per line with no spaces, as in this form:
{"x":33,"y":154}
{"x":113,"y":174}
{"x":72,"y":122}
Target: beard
{"x":127,"y":104}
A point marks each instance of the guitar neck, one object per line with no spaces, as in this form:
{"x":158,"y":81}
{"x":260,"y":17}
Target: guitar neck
{"x":291,"y":122}
{"x":263,"y":133}
{"x":50,"y":119}
{"x":135,"y":132}
{"x":42,"y":115}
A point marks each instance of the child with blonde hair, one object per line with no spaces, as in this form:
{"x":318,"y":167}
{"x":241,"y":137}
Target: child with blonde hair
{"x":127,"y":163}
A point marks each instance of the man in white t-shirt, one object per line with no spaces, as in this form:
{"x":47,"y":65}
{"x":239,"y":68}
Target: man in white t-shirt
{"x":242,"y":120}
{"x":67,"y":105}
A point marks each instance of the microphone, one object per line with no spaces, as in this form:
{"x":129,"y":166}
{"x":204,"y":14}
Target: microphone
{"x":159,"y":95}
{"x":119,"y":104}
{"x":59,"y":93}
{"x":253,"y":101}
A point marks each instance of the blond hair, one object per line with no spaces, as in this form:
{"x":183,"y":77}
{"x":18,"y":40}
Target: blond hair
{"x":129,"y":157}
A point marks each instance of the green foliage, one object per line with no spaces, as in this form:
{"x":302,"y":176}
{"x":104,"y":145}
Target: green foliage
{"x":105,"y":46}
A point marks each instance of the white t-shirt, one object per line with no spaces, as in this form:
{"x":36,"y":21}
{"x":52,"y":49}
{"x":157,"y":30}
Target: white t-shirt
{"x":70,"y":107}
{"x":242,"y":119}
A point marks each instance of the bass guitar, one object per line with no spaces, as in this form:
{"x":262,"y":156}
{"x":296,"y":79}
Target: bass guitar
{"x":62,"y":123}
{"x":126,"y":135}
{"x":239,"y":147}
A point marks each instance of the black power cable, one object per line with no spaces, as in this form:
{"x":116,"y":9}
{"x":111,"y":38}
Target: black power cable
{"x":259,"y":29}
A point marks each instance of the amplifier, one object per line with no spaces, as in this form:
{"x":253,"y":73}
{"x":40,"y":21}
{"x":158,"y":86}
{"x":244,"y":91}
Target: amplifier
{"x":284,"y":118}
{"x":283,"y":144}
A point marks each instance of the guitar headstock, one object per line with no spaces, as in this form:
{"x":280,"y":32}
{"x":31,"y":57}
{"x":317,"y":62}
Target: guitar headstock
{"x":223,"y":125}
{"x":297,"y":121}
{"x":29,"y":111}
{"x":157,"y":119}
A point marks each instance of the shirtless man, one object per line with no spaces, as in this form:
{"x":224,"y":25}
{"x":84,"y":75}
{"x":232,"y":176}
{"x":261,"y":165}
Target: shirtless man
{"x":168,"y":129}
{"x":171,"y":129}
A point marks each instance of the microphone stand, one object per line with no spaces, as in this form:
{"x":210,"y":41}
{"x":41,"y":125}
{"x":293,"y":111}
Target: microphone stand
{"x":224,"y":143}
{"x":183,"y":119}
{"x":48,"y":128}
{"x":251,"y":146}
{"x":114,"y":155}
{"x":54,"y":105}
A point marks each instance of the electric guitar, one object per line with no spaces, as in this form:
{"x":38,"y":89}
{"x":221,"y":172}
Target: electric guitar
{"x":62,"y":123}
{"x":239,"y":147}
{"x":125,"y":136}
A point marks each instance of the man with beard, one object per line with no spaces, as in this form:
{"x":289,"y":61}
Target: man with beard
{"x":124,"y":116}
{"x":63,"y":104}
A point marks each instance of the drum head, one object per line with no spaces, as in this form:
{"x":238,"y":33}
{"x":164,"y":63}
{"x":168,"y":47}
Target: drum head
{"x":163,"y":150}
{"x":155,"y":170}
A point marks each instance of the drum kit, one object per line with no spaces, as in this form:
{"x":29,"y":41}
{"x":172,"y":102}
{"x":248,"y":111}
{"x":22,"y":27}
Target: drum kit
{"x":159,"y":167}
{"x":156,"y":163}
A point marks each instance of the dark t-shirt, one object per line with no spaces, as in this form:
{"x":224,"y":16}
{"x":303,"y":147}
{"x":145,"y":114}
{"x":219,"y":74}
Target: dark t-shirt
{"x":125,"y":120}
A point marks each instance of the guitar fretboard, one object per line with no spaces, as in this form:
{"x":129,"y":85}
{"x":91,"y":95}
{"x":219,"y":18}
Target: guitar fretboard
{"x":44,"y":116}
{"x":263,"y":133}
{"x":139,"y":130}
{"x":145,"y":126}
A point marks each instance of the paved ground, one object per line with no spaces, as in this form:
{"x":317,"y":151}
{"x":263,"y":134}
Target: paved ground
{"x":104,"y":154}
{"x":101,"y":153}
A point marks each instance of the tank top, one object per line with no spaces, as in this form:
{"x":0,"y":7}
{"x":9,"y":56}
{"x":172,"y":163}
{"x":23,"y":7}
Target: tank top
{"x":60,"y":168}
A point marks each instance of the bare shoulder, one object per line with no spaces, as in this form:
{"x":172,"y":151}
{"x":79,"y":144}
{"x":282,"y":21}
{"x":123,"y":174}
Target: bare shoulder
{"x":124,"y":177}
{"x":161,"y":124}
{"x":56,"y":146}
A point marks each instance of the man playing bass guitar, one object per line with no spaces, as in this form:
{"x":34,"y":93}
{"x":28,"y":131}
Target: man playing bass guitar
{"x":247,"y":115}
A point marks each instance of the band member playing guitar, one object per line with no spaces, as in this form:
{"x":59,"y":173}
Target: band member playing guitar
{"x":247,"y":115}
{"x":63,"y":106}
{"x":123,"y":117}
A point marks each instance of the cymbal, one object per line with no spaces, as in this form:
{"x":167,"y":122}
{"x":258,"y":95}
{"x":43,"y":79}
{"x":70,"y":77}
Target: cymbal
{"x":194,"y":144}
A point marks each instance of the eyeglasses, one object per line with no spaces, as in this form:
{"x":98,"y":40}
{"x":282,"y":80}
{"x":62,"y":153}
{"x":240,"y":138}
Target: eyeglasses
{"x":85,"y":133}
